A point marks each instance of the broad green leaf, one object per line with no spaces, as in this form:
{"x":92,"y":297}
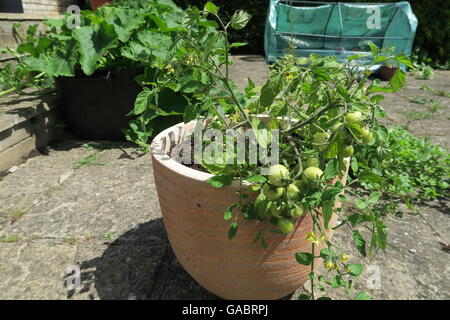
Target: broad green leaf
{"x":211,"y":8}
{"x":322,"y":73}
{"x":256,"y":178}
{"x":355,"y":269}
{"x":93,"y":41}
{"x":370,"y":177}
{"x":221,"y":180}
{"x":398,"y":80}
{"x":357,"y":218}
{"x":374,"y":197}
{"x":331,"y":169}
{"x":303,"y":297}
{"x":377,"y":98}
{"x":143,"y":101}
{"x":158,"y":44}
{"x":248,"y":210}
{"x":125,"y":21}
{"x":373,"y":48}
{"x":337,"y":281}
{"x":382,"y":234}
{"x":238,"y":44}
{"x":232,"y":230}
{"x":327,"y":210}
{"x":304,"y":258}
{"x":56,"y":23}
{"x":361,"y":203}
{"x":229,"y":212}
{"x":325,"y":253}
{"x":239,"y":19}
{"x":60,"y":65}
{"x":27,"y":47}
{"x":208,"y":23}
{"x":136,"y":51}
{"x":402,"y":58}
{"x":362,"y":296}
{"x":359,"y":242}
{"x":190,"y":112}
{"x":269,"y":91}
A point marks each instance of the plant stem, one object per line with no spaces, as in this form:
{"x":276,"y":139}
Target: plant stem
{"x":314,"y":117}
{"x":312,"y":270}
{"x":7,"y":91}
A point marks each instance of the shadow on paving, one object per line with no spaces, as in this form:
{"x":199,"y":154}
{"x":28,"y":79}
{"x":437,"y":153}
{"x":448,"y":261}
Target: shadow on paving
{"x":140,"y":264}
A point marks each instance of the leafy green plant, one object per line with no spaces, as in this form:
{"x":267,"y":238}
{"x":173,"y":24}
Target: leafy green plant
{"x":411,"y":168}
{"x":141,"y":35}
{"x":322,"y":110}
{"x":424,"y":72}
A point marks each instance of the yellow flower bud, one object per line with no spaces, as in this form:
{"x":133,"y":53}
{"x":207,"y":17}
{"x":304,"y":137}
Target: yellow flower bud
{"x":344,"y":258}
{"x":170,"y":69}
{"x":329,"y":265}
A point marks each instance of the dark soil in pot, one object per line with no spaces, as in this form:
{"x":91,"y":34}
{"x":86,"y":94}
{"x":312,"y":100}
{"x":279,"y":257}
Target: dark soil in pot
{"x":386,"y":73}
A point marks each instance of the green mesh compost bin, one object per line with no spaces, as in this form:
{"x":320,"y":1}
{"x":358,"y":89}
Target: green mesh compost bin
{"x":339,"y":29}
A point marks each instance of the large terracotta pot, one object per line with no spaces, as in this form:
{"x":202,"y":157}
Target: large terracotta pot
{"x":98,"y":3}
{"x":192,"y":213}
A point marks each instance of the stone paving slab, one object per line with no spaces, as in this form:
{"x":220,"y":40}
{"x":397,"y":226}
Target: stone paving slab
{"x":106,"y":220}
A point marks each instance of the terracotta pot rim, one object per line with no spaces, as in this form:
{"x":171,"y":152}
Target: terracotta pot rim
{"x":159,"y":155}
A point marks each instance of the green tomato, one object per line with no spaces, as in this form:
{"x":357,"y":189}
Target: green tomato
{"x":312,"y":161}
{"x":367,"y":136}
{"x":285,"y":225}
{"x":320,"y":139}
{"x":346,"y":152}
{"x":354,"y":117}
{"x":272,"y":193}
{"x":275,"y":210}
{"x":336,"y":126}
{"x":297,"y":212}
{"x":311,"y":174}
{"x":292,"y":191}
{"x":300,"y":185}
{"x":261,"y":205}
{"x":278,"y":173}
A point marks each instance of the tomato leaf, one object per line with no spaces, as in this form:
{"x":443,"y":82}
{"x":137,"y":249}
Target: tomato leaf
{"x":359,"y":242}
{"x":221,"y":180}
{"x":233,"y":229}
{"x":304,"y":258}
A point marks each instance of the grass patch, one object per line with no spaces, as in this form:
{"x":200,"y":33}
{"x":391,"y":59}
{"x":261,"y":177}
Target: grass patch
{"x":17,"y":213}
{"x":9,"y":239}
{"x":418,"y":115}
{"x":90,"y":160}
{"x":70,"y":240}
{"x":107,"y":145}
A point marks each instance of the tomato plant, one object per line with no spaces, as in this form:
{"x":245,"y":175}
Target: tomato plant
{"x":324,"y":112}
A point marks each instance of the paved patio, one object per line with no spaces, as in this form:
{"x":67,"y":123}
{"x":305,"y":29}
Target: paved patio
{"x":104,"y":218}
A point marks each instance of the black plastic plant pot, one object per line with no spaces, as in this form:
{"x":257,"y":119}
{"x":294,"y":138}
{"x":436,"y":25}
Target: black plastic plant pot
{"x":95,"y":107}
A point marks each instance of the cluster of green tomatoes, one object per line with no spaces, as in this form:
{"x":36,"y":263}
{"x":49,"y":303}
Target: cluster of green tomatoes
{"x":280,"y":198}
